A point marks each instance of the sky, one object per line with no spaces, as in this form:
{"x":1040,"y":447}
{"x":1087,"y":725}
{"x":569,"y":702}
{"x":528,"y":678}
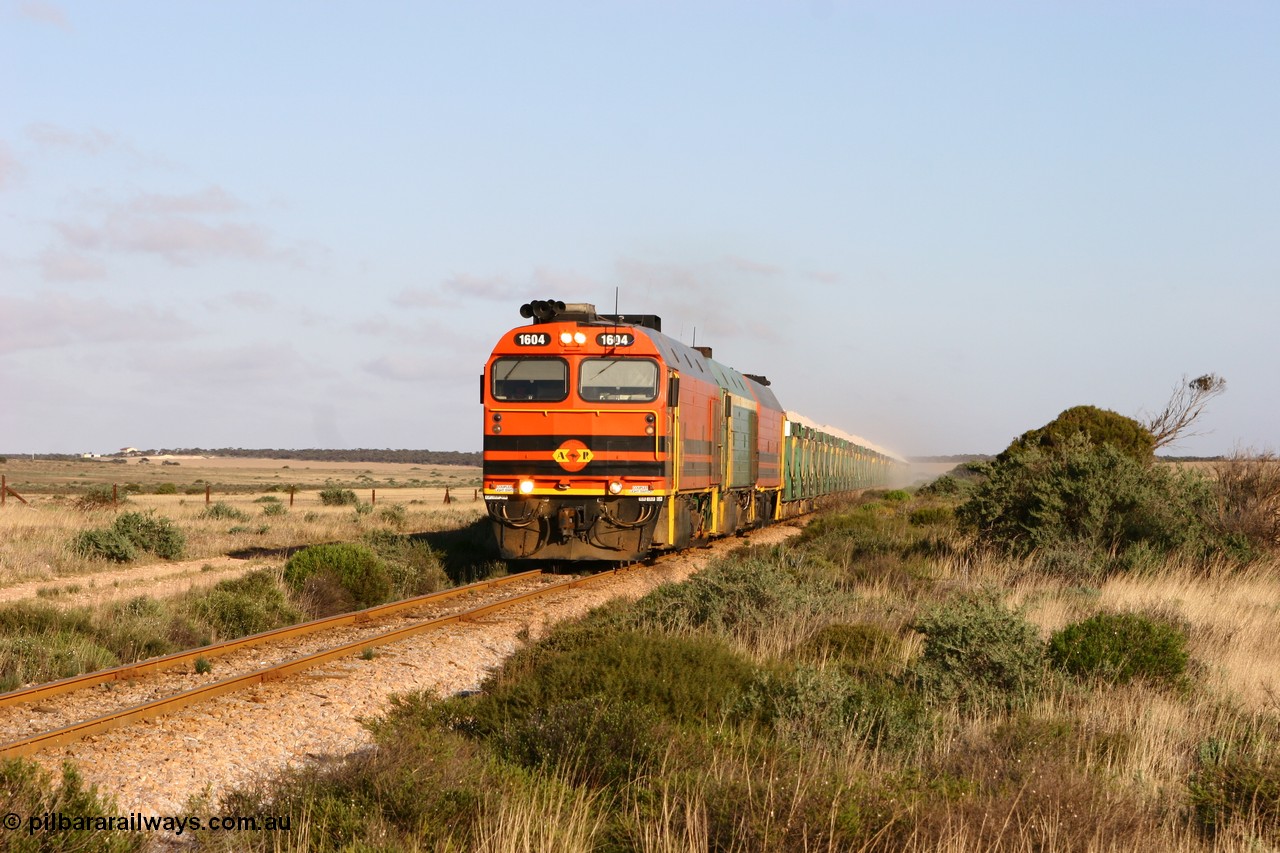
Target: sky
{"x":932,"y":224}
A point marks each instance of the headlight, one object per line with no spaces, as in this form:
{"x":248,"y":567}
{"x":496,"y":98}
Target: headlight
{"x":526,"y":487}
{"x":615,"y":488}
{"x":566,"y":337}
{"x":579,"y":338}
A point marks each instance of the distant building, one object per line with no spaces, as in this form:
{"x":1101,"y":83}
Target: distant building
{"x":129,"y":451}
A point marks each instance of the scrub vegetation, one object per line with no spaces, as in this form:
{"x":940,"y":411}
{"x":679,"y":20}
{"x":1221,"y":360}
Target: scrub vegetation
{"x":1070,"y":647}
{"x":40,"y":641}
{"x":950,"y":671}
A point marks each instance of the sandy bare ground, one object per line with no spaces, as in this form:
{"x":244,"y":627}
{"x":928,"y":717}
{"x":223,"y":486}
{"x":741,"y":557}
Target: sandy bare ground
{"x":160,"y":580}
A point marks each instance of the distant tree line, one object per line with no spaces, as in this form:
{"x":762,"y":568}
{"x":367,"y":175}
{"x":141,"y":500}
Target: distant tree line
{"x":412,"y":457}
{"x":314,"y":454}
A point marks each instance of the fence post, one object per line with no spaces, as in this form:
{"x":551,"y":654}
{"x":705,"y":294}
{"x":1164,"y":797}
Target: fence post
{"x":292,"y":489}
{"x":447,"y":499}
{"x":373,"y":499}
{"x":475,"y":495}
{"x":4,"y":488}
{"x":208,"y":490}
{"x":115,"y":496}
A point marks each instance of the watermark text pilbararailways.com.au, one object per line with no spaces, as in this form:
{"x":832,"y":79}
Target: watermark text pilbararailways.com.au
{"x":133,"y":822}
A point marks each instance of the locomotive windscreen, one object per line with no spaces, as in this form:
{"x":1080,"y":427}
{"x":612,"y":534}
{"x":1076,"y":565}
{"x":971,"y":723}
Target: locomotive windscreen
{"x":541,"y":380}
{"x":604,"y":380}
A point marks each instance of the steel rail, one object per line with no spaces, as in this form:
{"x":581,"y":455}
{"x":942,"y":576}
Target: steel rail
{"x":131,"y":671}
{"x":160,"y":707}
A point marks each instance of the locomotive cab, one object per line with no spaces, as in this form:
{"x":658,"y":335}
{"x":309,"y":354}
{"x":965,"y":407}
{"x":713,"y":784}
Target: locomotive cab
{"x":575,"y":445}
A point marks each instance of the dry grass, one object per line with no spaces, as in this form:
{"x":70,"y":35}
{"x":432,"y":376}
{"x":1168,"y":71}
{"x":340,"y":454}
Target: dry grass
{"x":35,"y":538}
{"x":542,"y":816}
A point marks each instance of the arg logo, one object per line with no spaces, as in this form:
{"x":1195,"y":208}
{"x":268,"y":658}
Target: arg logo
{"x":573,"y":455}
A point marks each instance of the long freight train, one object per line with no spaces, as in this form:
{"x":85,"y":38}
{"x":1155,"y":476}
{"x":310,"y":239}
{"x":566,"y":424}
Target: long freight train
{"x":604,"y":439}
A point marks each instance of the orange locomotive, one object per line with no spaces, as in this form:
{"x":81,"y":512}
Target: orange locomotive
{"x":604,"y":439}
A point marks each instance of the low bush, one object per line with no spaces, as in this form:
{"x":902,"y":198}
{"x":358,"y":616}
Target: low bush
{"x":394,"y":515}
{"x":149,"y":532}
{"x":275,"y":510}
{"x":167,"y":488}
{"x":1120,"y":647}
{"x":414,"y":565}
{"x":1094,"y":499}
{"x":739,"y":598}
{"x":824,"y":705}
{"x":927,"y":515}
{"x":132,"y":532}
{"x":594,"y":740}
{"x":34,"y":658}
{"x":337,"y":497}
{"x":862,"y":649}
{"x":104,"y":543}
{"x":339,"y":576}
{"x":978,"y":653}
{"x":1234,"y":785}
{"x":249,"y":604}
{"x":99,"y":497}
{"x":681,"y":678}
{"x":222,"y":511}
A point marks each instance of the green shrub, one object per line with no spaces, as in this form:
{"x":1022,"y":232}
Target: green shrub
{"x":740,"y":598}
{"x":927,"y":515}
{"x":267,"y":499}
{"x":249,"y":604}
{"x":394,"y":515}
{"x":978,"y":653}
{"x":104,"y":543}
{"x":1097,"y":500}
{"x":679,"y":678}
{"x":1101,"y":427}
{"x":861,"y":650}
{"x":897,"y":495}
{"x":275,"y":510}
{"x":337,"y":497}
{"x":38,"y":657}
{"x":149,"y":532}
{"x":220,"y":510}
{"x":593,"y":740}
{"x":167,"y":489}
{"x":1232,"y":785}
{"x":820,"y":705}
{"x":414,"y":565}
{"x":99,"y":497}
{"x":1119,"y":647}
{"x":355,"y":569}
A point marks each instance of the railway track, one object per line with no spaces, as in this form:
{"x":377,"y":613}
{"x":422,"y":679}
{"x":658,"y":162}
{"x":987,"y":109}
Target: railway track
{"x":24,"y":711}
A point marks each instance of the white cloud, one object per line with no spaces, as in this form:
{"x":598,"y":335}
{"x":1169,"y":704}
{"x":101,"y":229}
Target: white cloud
{"x":213,"y":199}
{"x":62,"y":266}
{"x":750,"y":266}
{"x":418,"y":297}
{"x":49,"y":136}
{"x":10,"y":168}
{"x":56,"y":321}
{"x":244,"y":300}
{"x":44,"y":13}
{"x":180,"y":240}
